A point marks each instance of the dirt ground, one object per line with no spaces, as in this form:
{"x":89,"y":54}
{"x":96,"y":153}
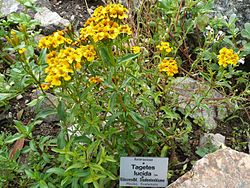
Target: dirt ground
{"x":77,"y":11}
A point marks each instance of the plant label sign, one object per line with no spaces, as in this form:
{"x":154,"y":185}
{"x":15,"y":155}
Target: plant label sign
{"x":143,"y":171}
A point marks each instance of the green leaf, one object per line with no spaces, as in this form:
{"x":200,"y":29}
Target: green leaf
{"x":61,"y":111}
{"x":164,"y":151}
{"x":82,"y":139}
{"x":96,"y":167}
{"x":247,"y":47}
{"x":232,"y":19}
{"x":29,"y":173}
{"x":66,"y":181}
{"x":42,"y":57}
{"x":96,"y":185}
{"x":81,"y":173}
{"x":20,"y":127}
{"x":138,"y":119}
{"x":202,"y":21}
{"x":110,"y":159}
{"x":169,"y":113}
{"x":125,"y":83}
{"x":110,"y":175}
{"x":76,"y":165}
{"x":75,"y":183}
{"x":112,"y":102}
{"x":6,"y":96}
{"x":61,"y":142}
{"x":106,"y":57}
{"x":43,"y":184}
{"x":45,"y":113}
{"x":127,"y":57}
{"x":33,"y":102}
{"x":57,"y":171}
{"x":13,"y":138}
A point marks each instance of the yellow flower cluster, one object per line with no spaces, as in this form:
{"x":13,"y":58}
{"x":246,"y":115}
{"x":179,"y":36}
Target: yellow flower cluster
{"x":164,"y":46}
{"x":95,"y":80}
{"x":169,"y":66}
{"x":54,"y":40}
{"x":227,"y":57}
{"x":103,"y":24}
{"x":22,"y":50}
{"x":136,"y":49}
{"x":61,"y":64}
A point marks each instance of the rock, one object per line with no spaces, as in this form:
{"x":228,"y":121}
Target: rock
{"x":47,"y":17}
{"x":47,"y":103}
{"x":217,"y":140}
{"x":189,"y":91}
{"x":8,"y":6}
{"x":225,"y":168}
{"x":239,"y":7}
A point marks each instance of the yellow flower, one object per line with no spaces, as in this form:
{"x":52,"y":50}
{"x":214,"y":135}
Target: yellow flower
{"x":53,"y":41}
{"x":164,"y":46}
{"x":169,"y":66}
{"x":103,"y":23}
{"x":136,"y":49}
{"x":227,"y":57}
{"x":45,"y":86}
{"x":22,"y":50}
{"x":95,"y":80}
{"x":125,"y":29}
{"x":12,"y":32}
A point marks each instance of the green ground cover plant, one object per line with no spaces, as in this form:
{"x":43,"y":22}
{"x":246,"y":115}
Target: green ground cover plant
{"x":112,"y":80}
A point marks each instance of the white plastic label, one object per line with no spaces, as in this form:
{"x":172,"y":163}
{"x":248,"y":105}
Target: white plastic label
{"x":143,"y":171}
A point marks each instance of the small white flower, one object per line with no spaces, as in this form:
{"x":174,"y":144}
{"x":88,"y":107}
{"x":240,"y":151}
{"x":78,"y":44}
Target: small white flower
{"x":225,"y":17}
{"x":241,"y":61}
{"x":219,"y":35}
{"x":210,"y":30}
{"x":220,"y":32}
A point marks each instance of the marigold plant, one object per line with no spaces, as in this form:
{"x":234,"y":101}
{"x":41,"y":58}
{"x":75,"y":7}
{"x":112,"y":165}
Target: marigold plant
{"x":227,"y":57}
{"x":136,"y":49}
{"x":164,"y":46}
{"x":169,"y":66}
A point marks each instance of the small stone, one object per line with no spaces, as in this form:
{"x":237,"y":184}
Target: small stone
{"x":217,"y":140}
{"x":47,"y":17}
{"x":19,"y":97}
{"x":72,"y":17}
{"x":38,"y":37}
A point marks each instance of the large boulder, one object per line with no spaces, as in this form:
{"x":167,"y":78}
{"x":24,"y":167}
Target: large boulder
{"x":223,"y":169}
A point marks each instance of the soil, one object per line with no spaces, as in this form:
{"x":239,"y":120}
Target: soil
{"x":77,"y":11}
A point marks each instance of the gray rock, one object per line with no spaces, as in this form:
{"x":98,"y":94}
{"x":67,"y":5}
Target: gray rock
{"x":217,"y":140}
{"x":50,"y":102}
{"x":8,"y":6}
{"x":47,"y":17}
{"x":225,"y":168}
{"x":239,"y":7}
{"x":189,"y":91}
